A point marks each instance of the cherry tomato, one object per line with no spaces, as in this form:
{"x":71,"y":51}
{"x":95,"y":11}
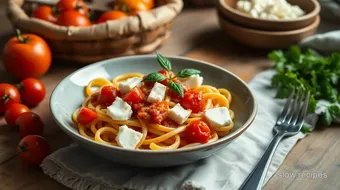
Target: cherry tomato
{"x":111,"y":15}
{"x":32,"y":91}
{"x":197,"y":131}
{"x":32,"y":149}
{"x":135,"y":96}
{"x":86,"y":116}
{"x":77,"y":5}
{"x":29,"y":123}
{"x":73,"y":18}
{"x":107,"y":95}
{"x":13,"y":112}
{"x":133,"y":6}
{"x":9,"y":94}
{"x":192,"y":100}
{"x":27,"y":55}
{"x":45,"y":13}
{"x":149,"y":3}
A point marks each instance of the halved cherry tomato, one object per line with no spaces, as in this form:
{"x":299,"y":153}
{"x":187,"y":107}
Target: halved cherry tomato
{"x":26,"y":55}
{"x":9,"y":94}
{"x":32,"y":149}
{"x":197,"y":131}
{"x":135,"y":96}
{"x":77,"y":5}
{"x":86,"y":116}
{"x":107,"y":95}
{"x":29,"y":123}
{"x":193,"y":100}
{"x":13,"y":112}
{"x":73,"y":18}
{"x":32,"y":91}
{"x":45,"y":13}
{"x":111,"y":15}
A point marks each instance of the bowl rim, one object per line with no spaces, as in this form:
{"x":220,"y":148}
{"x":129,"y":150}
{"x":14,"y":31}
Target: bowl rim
{"x":228,"y":138}
{"x":314,"y":24}
{"x":224,"y":6}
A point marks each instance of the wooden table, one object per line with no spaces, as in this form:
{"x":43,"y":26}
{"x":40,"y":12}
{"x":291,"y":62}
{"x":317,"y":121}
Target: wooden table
{"x":196,"y":34}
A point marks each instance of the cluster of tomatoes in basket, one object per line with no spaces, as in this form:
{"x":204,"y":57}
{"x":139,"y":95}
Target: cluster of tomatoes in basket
{"x":76,"y":12}
{"x":14,"y":102}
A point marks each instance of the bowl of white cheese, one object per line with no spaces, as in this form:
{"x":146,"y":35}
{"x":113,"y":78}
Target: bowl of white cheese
{"x":270,"y":15}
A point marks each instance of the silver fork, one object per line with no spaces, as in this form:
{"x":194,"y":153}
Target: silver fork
{"x":288,"y":123}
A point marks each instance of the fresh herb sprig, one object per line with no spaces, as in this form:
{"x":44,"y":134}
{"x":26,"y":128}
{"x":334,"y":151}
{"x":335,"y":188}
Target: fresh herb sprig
{"x":172,"y":85}
{"x":306,"y":71}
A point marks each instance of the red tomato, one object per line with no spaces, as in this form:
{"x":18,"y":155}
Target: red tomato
{"x":73,"y":18}
{"x":165,"y":81}
{"x":149,"y":3}
{"x":29,"y":124}
{"x":107,"y":95}
{"x":32,"y":149}
{"x":45,"y":13}
{"x":86,"y":116}
{"x":32,"y":91}
{"x":192,"y":100}
{"x":77,"y":5}
{"x":111,"y":15}
{"x":135,"y":96}
{"x":197,"y":131}
{"x":9,"y":94}
{"x":13,"y":112}
{"x":27,"y":55}
{"x":133,"y":6}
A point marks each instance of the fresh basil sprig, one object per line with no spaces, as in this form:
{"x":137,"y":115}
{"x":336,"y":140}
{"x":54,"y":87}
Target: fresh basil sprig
{"x":154,"y":77}
{"x":185,"y":73}
{"x":164,"y":62}
{"x":174,"y":86}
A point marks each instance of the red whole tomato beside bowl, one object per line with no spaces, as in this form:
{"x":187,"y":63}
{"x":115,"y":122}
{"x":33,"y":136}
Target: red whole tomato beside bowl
{"x":243,"y":105}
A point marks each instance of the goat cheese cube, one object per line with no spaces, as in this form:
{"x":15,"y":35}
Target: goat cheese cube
{"x":128,"y":138}
{"x":129,"y":84}
{"x":119,"y":110}
{"x":218,"y":117}
{"x":193,"y":81}
{"x":157,"y":93}
{"x":179,"y":114}
{"x":263,"y":15}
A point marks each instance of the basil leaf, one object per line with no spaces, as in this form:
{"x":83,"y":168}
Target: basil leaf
{"x":177,"y":88}
{"x":164,"y":62}
{"x":185,"y":73}
{"x":154,"y":77}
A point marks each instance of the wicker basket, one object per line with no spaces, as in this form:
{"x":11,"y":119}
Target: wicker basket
{"x":139,"y":34}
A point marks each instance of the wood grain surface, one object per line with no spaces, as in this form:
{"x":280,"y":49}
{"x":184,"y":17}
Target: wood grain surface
{"x":196,"y":34}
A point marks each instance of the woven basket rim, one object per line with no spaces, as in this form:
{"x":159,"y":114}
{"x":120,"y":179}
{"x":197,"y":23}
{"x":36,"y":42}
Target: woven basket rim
{"x":143,"y":21}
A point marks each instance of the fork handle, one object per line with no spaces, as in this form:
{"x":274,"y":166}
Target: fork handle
{"x":256,"y":178}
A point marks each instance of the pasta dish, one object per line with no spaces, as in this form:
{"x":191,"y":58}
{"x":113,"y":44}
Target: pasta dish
{"x":159,"y":111}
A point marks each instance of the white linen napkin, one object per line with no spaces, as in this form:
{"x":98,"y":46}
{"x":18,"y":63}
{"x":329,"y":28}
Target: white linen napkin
{"x":79,"y":169}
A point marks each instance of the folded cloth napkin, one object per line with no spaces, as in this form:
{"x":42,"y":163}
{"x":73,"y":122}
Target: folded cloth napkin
{"x":78,"y":169}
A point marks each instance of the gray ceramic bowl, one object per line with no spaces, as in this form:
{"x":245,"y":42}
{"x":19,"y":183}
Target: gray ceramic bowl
{"x":69,"y":94}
